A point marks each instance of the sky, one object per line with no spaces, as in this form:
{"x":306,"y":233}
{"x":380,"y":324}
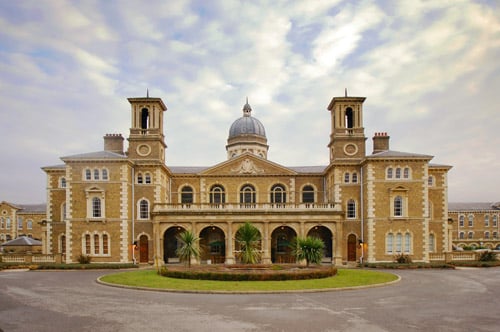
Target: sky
{"x":430,"y":71}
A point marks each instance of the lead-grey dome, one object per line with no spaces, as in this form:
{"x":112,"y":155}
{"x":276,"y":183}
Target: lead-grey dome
{"x":247,"y":124}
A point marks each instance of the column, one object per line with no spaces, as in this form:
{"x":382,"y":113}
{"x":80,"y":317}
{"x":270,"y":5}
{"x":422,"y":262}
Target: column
{"x":266,"y":257}
{"x":229,"y":244}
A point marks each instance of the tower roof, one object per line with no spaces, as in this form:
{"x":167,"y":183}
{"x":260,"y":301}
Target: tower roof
{"x":247,"y":124}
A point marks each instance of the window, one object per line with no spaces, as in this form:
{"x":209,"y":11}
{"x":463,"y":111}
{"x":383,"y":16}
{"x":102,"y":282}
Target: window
{"x":147,"y":178}
{"x":62,"y":244}
{"x":461,"y":221}
{"x":389,"y":243}
{"x":7,"y":222}
{"x":346,"y":177}
{"x":354,"y":177}
{"x":217,"y":195}
{"x":495,"y":221}
{"x":1,"y":223}
{"x":471,"y":235}
{"x":143,"y":209}
{"x":430,"y":181}
{"x":87,"y":244}
{"x":349,"y":118}
{"x":308,"y":194}
{"x":351,"y":209}
{"x":96,"y":174}
{"x":105,"y":245}
{"x":398,"y":206}
{"x":471,"y":220}
{"x":105,"y":174}
{"x":88,"y":175}
{"x":486,"y":221}
{"x":389,"y":173}
{"x":247,"y":194}
{"x":461,"y":235}
{"x":432,"y":241}
{"x":399,"y":240}
{"x":486,"y":235}
{"x":63,"y":182}
{"x":19,"y":223}
{"x":495,"y":235}
{"x":29,"y":224}
{"x":96,"y":244}
{"x":398,"y":173}
{"x":144,"y":118}
{"x":407,"y":243}
{"x":139,"y":178}
{"x":96,"y":207}
{"x":406,"y":173}
{"x":186,"y":195}
{"x":278,"y":194}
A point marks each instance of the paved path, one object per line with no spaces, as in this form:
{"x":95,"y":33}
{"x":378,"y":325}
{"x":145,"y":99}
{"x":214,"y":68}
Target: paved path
{"x":425,"y":300}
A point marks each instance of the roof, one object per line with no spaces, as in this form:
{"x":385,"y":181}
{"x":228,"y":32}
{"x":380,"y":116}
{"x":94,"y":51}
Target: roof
{"x":22,"y":241}
{"x":187,"y":169}
{"x":472,"y":206}
{"x":32,"y":208}
{"x":398,"y":154}
{"x":308,"y":169}
{"x":97,"y":155}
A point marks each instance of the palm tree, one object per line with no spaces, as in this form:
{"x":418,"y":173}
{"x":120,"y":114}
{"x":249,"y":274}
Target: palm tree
{"x":309,"y":248}
{"x":248,"y":237}
{"x":188,"y":248}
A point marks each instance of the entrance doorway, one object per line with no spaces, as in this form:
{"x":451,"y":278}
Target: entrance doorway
{"x":170,"y":244}
{"x":351,"y":248}
{"x":143,"y":249}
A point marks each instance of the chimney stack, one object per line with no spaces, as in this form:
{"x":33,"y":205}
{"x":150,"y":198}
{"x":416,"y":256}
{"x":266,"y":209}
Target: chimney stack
{"x":113,"y":143}
{"x":380,"y":142}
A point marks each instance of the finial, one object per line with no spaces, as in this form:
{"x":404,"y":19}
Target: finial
{"x":346,"y":92}
{"x":147,"y":93}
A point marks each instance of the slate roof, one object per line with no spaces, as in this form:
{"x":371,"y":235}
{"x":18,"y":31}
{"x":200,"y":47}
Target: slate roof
{"x":472,"y":206}
{"x":398,"y":154}
{"x":307,"y":169}
{"x":32,"y":208}
{"x":22,"y":241}
{"x":97,"y":155}
{"x":199,"y":169}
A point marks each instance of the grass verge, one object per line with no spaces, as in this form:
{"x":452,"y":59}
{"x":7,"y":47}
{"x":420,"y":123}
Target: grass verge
{"x":344,"y":279}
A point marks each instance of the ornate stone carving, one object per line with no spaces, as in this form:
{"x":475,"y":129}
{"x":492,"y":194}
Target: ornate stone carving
{"x":247,"y":167}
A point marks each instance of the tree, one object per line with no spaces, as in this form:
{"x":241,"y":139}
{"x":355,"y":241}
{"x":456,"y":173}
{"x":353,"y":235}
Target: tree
{"x":189,"y":247}
{"x":309,"y":248}
{"x":248,"y":237}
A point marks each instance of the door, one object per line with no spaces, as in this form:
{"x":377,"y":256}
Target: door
{"x":351,"y":248}
{"x":143,"y":249}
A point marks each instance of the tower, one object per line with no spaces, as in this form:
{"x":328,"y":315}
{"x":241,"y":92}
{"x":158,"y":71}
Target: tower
{"x":146,"y":140}
{"x":347,"y":138}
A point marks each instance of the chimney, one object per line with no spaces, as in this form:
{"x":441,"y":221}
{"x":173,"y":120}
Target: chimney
{"x":380,"y":142}
{"x":113,"y":143}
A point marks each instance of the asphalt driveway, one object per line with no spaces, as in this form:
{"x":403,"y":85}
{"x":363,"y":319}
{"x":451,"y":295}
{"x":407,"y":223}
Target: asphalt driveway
{"x":424,"y":300}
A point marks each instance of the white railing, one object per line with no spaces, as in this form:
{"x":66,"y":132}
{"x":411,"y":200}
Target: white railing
{"x":44,"y":259}
{"x":246,"y":206}
{"x":13,"y":258}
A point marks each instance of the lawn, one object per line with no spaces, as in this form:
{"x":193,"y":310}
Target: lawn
{"x":345,"y":278}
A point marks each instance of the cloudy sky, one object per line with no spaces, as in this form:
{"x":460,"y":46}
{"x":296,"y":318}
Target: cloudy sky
{"x":430,"y":71}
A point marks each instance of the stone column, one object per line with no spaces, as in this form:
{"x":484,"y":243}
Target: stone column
{"x":266,"y":257}
{"x":337,"y":258}
{"x":229,"y":244}
{"x":157,"y":254}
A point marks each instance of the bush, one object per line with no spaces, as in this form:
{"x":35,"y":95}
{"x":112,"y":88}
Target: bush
{"x":84,"y":259}
{"x":402,"y":259}
{"x":487,"y":256}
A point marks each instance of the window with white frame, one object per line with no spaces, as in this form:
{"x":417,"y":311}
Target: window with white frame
{"x":7,"y":223}
{"x":398,"y":173}
{"x":105,"y":174}
{"x":96,"y":244}
{"x":432,"y":243}
{"x":278,"y":194}
{"x":399,"y":242}
{"x":351,"y":209}
{"x":471,"y":220}
{"x":346,"y":177}
{"x":389,"y":240}
{"x":88,"y":175}
{"x":96,"y":207}
{"x":495,"y":220}
{"x":147,"y":178}
{"x":486,"y":235}
{"x":430,"y":181}
{"x":495,"y":235}
{"x":354,"y":177}
{"x":1,"y":223}
{"x":406,"y":173}
{"x":461,"y":221}
{"x":96,"y":174}
{"x":62,"y":182}
{"x":407,"y":243}
{"x":140,"y":179}
{"x":63,"y":211}
{"x":486,"y":221}
{"x":19,"y":223}
{"x":389,"y":173}
{"x":461,"y":235}
{"x":398,"y":206}
{"x":470,"y":235}
{"x":29,"y":224}
{"x":143,"y":209}
{"x":95,"y":203}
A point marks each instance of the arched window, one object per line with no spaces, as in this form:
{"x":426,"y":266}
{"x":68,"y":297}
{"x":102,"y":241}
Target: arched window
{"x":105,"y":174}
{"x":495,"y":221}
{"x":144,"y":118}
{"x":147,"y":178}
{"x":461,"y":220}
{"x":407,"y":243}
{"x":96,"y":207}
{"x":63,"y":182}
{"x":389,"y":173}
{"x":278,"y":194}
{"x":96,"y":244}
{"x":354,"y":177}
{"x":398,"y":173}
{"x":139,"y":178}
{"x":19,"y":223}
{"x":217,"y":195}
{"x":486,"y":221}
{"x":247,"y":194}
{"x":399,"y":240}
{"x":406,"y":173}
{"x":7,"y":222}
{"x":351,"y":209}
{"x":87,"y":244}
{"x":398,"y":206}
{"x":88,"y":175}
{"x":96,"y":174}
{"x":461,"y":235}
{"x":63,"y":211}
{"x":186,"y":195}
{"x":495,"y":235}
{"x":389,"y":243}
{"x":471,"y":220}
{"x":143,"y":209}
{"x":349,"y":118}
{"x":29,"y":224}
{"x":308,"y":194}
{"x":105,"y":244}
{"x":432,"y":241}
{"x":62,"y":244}
{"x":486,"y":235}
{"x":471,"y":235}
{"x":346,"y":177}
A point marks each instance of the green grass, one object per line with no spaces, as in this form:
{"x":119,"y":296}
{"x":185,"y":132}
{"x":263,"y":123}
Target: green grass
{"x":344,"y":278}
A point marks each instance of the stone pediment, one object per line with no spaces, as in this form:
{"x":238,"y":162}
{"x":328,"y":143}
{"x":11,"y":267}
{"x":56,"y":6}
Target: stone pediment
{"x":248,"y":164}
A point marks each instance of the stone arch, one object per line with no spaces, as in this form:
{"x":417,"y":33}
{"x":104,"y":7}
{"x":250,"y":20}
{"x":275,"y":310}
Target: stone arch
{"x":170,"y":244}
{"x":326,"y":235}
{"x":213,"y":243}
{"x":281,"y":238}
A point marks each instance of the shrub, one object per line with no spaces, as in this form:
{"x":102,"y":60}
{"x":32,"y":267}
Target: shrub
{"x":84,"y":259}
{"x":402,"y":259}
{"x":487,"y":256}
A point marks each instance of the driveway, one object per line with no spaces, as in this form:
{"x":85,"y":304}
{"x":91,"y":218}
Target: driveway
{"x":424,"y":300}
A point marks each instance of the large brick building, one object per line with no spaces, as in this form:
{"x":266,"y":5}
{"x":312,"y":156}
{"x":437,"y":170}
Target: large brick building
{"x":366,"y":207}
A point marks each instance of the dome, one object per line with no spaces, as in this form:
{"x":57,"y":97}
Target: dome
{"x":247,"y":125}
